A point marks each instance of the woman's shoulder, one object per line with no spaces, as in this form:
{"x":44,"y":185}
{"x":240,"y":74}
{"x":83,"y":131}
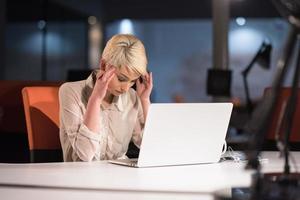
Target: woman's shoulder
{"x":71,"y":88}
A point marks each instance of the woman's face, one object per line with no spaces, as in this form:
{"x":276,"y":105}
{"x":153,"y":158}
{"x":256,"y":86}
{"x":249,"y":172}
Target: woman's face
{"x":123,"y":80}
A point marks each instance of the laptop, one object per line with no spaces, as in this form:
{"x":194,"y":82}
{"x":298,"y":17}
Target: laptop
{"x":182,"y":134}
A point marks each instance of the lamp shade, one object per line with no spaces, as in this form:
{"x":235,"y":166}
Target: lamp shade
{"x":264,"y":55}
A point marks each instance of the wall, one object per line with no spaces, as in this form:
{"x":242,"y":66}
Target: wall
{"x":180,"y":52}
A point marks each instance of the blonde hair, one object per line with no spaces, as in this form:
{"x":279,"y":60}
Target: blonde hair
{"x":128,"y":51}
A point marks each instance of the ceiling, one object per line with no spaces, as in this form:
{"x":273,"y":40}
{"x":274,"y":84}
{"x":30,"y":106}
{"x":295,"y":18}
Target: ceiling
{"x":110,"y":10}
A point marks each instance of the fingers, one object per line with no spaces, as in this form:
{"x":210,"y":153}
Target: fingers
{"x":102,"y":64}
{"x":110,"y":77}
{"x":138,"y":82}
{"x":147,"y":79}
{"x":144,"y":84}
{"x":107,"y":75}
{"x":151,"y":78}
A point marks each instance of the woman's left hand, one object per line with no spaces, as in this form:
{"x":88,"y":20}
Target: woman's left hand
{"x":144,"y":87}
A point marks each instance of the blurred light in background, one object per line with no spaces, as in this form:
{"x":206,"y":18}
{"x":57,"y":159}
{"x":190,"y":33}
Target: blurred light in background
{"x":241,"y":21}
{"x":244,"y":40}
{"x":56,"y":44}
{"x":95,"y":42}
{"x":126,"y":27}
{"x":32,"y":44}
{"x":41,"y":24}
{"x":92,"y":20}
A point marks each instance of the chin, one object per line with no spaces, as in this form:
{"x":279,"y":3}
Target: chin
{"x":117,"y":93}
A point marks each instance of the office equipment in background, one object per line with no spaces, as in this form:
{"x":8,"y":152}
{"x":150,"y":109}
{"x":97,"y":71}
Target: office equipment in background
{"x":262,"y":58}
{"x":286,"y":184}
{"x":218,"y":82}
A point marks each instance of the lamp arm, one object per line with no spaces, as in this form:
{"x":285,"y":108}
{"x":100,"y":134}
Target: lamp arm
{"x":248,"y":100}
{"x":249,"y":67}
{"x":246,"y":86}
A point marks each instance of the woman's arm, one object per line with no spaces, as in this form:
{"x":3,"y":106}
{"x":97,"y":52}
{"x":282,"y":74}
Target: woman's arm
{"x":144,"y":89}
{"x":82,"y":131}
{"x":92,"y":117}
{"x":72,"y":129}
{"x":145,"y":105}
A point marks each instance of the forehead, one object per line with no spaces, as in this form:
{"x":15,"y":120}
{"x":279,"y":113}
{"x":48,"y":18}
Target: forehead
{"x":128,"y":72}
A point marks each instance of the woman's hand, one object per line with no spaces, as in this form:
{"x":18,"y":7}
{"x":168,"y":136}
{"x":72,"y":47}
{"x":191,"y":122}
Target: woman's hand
{"x":144,"y":87}
{"x":101,"y":85}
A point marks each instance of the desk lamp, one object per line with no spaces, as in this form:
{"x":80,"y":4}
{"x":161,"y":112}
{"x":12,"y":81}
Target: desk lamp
{"x":262,"y":58}
{"x":285,"y":185}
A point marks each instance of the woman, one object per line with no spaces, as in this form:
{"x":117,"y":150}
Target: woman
{"x":99,"y":116}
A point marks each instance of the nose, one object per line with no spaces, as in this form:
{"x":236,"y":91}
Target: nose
{"x":125,"y":86}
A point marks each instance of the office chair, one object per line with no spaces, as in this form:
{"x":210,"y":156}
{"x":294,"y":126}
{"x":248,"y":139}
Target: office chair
{"x":41,"y":108}
{"x":274,"y":128}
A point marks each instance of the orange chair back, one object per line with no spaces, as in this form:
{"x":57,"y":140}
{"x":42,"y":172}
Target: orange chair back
{"x":279,"y":109}
{"x":41,"y":108}
{"x":12,"y":118}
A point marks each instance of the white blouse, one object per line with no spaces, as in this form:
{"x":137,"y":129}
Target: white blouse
{"x":121,"y":122}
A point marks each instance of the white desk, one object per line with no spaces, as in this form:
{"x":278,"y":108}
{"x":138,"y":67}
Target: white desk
{"x":101,"y":180}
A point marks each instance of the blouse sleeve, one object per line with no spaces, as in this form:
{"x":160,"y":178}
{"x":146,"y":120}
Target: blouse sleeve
{"x":84,"y":142}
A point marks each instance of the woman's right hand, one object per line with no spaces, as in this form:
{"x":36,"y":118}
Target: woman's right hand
{"x":101,"y":85}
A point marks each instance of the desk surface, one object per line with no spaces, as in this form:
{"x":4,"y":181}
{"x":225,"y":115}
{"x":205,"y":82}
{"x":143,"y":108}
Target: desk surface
{"x":105,"y":177}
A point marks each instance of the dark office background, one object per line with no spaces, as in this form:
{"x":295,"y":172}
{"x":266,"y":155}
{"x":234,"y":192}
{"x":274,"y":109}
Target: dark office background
{"x":47,"y":40}
{"x":43,"y":40}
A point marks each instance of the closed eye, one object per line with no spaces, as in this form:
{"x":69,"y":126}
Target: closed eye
{"x":122,"y":79}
